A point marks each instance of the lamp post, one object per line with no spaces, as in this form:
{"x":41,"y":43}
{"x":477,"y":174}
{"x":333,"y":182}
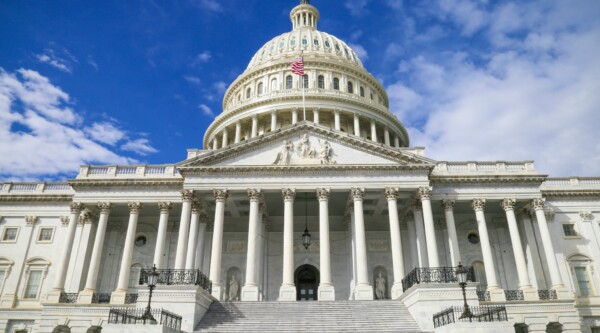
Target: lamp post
{"x":462,"y":275}
{"x":306,"y":236}
{"x":152,"y":277}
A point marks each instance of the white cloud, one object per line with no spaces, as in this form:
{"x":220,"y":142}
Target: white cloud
{"x":466,"y":13}
{"x":202,"y":58}
{"x":210,"y":5}
{"x":206,"y":110}
{"x":62,"y":59}
{"x":105,"y":132}
{"x":192,"y":79}
{"x":92,"y":62}
{"x":220,"y":87}
{"x":357,"y":7}
{"x":139,"y":146}
{"x":360,"y":51}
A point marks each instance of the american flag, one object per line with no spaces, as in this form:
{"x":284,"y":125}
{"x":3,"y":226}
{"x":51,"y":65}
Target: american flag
{"x":298,"y":67}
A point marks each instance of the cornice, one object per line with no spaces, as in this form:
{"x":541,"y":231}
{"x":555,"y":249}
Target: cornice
{"x":38,"y":197}
{"x":308,"y":169}
{"x":81,"y":183}
{"x":531,"y":179}
{"x":571,"y":193}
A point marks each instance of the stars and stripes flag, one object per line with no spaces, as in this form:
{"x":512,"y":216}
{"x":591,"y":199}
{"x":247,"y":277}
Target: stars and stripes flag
{"x":298,"y":67}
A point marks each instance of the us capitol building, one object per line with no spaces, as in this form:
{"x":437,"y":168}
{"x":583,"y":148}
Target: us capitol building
{"x":290,"y":202}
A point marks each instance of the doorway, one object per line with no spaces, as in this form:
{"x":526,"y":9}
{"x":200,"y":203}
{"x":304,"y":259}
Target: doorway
{"x":307,"y":283}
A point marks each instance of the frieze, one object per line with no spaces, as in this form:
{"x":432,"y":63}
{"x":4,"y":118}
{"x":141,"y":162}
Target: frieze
{"x":236,"y":246}
{"x":303,"y":153}
{"x":378,"y":245}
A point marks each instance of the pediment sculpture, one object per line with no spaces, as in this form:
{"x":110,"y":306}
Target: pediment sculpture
{"x":302,"y":152}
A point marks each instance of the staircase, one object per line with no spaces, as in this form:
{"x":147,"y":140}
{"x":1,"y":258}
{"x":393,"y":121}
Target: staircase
{"x":338,"y":316}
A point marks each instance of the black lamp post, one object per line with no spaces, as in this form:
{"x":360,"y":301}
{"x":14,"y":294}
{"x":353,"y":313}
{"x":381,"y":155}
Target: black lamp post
{"x":152,"y":277}
{"x":306,"y":235}
{"x":462,"y":275}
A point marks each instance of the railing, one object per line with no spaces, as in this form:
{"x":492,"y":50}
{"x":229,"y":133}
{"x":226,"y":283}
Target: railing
{"x":433,"y":275}
{"x":134,"y":316}
{"x":477,"y":314}
{"x":24,"y":187}
{"x":68,"y":298}
{"x":514,"y":295}
{"x":101,"y":298}
{"x":178,"y":277}
{"x":547,"y":294}
{"x":483,"y":296}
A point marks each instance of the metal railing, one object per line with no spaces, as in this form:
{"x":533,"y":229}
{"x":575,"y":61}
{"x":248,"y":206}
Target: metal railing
{"x":483,"y":296}
{"x":514,"y":295}
{"x":134,"y":316}
{"x":547,"y":294}
{"x":421,"y":275}
{"x":68,"y":298}
{"x":101,"y":298}
{"x":178,"y":277}
{"x":455,"y":314}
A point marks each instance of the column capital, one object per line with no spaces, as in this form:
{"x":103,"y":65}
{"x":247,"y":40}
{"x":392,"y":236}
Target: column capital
{"x":357,"y":193}
{"x":221,"y":195}
{"x":323,"y":194}
{"x":390,"y":193}
{"x":31,"y":220}
{"x":165,"y":206}
{"x":187,"y":195}
{"x":585,"y":215}
{"x":196,"y":206}
{"x":288,"y":194}
{"x":76,"y":207}
{"x":448,"y":204}
{"x":134,"y":207}
{"x":85,"y":217}
{"x":508,"y":204}
{"x":424,"y":193}
{"x":416,"y":204}
{"x":316,"y":109}
{"x":337,"y":111}
{"x":203,"y":217}
{"x":538,"y":203}
{"x":104,"y":207}
{"x":254,"y":194}
{"x":478,"y":204}
{"x":64,"y":220}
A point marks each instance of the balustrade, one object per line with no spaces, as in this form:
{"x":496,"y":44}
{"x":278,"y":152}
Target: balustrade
{"x":422,"y":275}
{"x":136,"y":316}
{"x":178,"y":277}
{"x":477,"y":314}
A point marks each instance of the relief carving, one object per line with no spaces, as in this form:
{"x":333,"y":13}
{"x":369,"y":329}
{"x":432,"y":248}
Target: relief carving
{"x":302,"y":152}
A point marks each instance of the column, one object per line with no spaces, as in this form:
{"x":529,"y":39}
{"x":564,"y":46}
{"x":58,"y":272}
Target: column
{"x":190,"y":257}
{"x":396,"y":141}
{"x":363,"y":290}
{"x":260,"y":262}
{"x":373,"y":131}
{"x":250,"y":289}
{"x":529,"y":292}
{"x":254,"y":126}
{"x":448,"y":206}
{"x":203,"y":222}
{"x":184,"y":227}
{"x":496,"y":292}
{"x":287,"y":291}
{"x":555,"y":278}
{"x":238,"y":132}
{"x":215,"y":143}
{"x":420,"y":231}
{"x":432,"y":253}
{"x":118,"y":296}
{"x":273,"y":120}
{"x":87,"y":294}
{"x":396,"y":241}
{"x":316,"y":115}
{"x":412,"y":240}
{"x":294,"y":116}
{"x":161,"y":235}
{"x":356,"y":124}
{"x":225,"y":138}
{"x":217,"y":242}
{"x":326,"y":290}
{"x":336,"y":119}
{"x":386,"y":136}
{"x":65,"y":255}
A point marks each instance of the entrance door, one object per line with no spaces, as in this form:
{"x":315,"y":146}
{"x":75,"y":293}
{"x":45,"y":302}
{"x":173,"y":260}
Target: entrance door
{"x":307,"y":283}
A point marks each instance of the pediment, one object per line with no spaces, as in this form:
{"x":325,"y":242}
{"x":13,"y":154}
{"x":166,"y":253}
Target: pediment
{"x":306,"y":144}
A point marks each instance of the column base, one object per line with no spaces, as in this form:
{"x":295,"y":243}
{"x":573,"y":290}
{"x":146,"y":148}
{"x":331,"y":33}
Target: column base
{"x":250,"y":293}
{"x":85,"y":297}
{"x":53,"y":296}
{"x":563,"y":292}
{"x":8,"y":301}
{"x":530,"y":294}
{"x":397,"y":290}
{"x":363,"y":292}
{"x":118,"y":297}
{"x":326,"y":293}
{"x":497,"y":294}
{"x":217,"y":291}
{"x":287,"y":293}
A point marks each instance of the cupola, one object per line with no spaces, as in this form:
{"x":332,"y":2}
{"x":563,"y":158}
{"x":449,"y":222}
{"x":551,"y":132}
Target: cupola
{"x":304,"y":16}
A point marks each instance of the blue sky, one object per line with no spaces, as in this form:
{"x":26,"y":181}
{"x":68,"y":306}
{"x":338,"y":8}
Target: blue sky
{"x":114,"y":82}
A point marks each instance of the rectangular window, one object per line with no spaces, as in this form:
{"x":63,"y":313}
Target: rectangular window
{"x":33,"y":285}
{"x":10,"y":234}
{"x":595,"y":329}
{"x":45,"y":234}
{"x":583,"y":281}
{"x":569,"y":230}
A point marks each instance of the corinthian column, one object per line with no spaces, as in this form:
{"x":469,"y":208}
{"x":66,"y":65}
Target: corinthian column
{"x":420,"y":232}
{"x":448,"y":206}
{"x":217,"y":243}
{"x":203,"y":222}
{"x":250,"y":289}
{"x":397,"y":258}
{"x":184,"y":228}
{"x":190,"y":258}
{"x":363,"y":290}
{"x":161,"y":237}
{"x":425,"y":195}
{"x":287,"y":292}
{"x":118,"y":296}
{"x":326,"y":290}
{"x":87,"y":294}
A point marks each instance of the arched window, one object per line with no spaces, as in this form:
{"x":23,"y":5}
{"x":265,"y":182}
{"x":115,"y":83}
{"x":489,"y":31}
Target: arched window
{"x":248,"y":92}
{"x":273,"y":84}
{"x":305,"y":81}
{"x":581,"y":269}
{"x":288,"y":82}
{"x":321,"y":82}
{"x":362,"y":92}
{"x":336,"y":83}
{"x":260,"y":89}
{"x":350,"y":88}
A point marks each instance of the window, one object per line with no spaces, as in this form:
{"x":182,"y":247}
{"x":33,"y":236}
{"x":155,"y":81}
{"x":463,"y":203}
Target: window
{"x":305,"y":81}
{"x":45,"y":235}
{"x":327,"y":44}
{"x":336,"y":83}
{"x":293,"y":42}
{"x":304,"y":41}
{"x":337,"y":47}
{"x":350,"y":88}
{"x":248,"y":92}
{"x":569,"y":230}
{"x":371,"y":96}
{"x":316,"y":42}
{"x":473,"y":238}
{"x":260,"y":89}
{"x":10,"y":234}
{"x":580,"y":269}
{"x":595,"y":329}
{"x":281,"y":44}
{"x":583,"y":281}
{"x":5,"y":267}
{"x":34,"y":282}
{"x":141,"y":240}
{"x":288,"y":82}
{"x":321,"y":82}
{"x":362,"y":92}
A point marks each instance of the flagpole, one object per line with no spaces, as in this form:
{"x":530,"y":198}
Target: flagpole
{"x":303,"y":100}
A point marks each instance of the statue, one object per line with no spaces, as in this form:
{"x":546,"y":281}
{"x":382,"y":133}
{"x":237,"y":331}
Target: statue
{"x":325,"y":153}
{"x":304,"y":149}
{"x":380,"y":287}
{"x":233,"y":289}
{"x":285,"y":155}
